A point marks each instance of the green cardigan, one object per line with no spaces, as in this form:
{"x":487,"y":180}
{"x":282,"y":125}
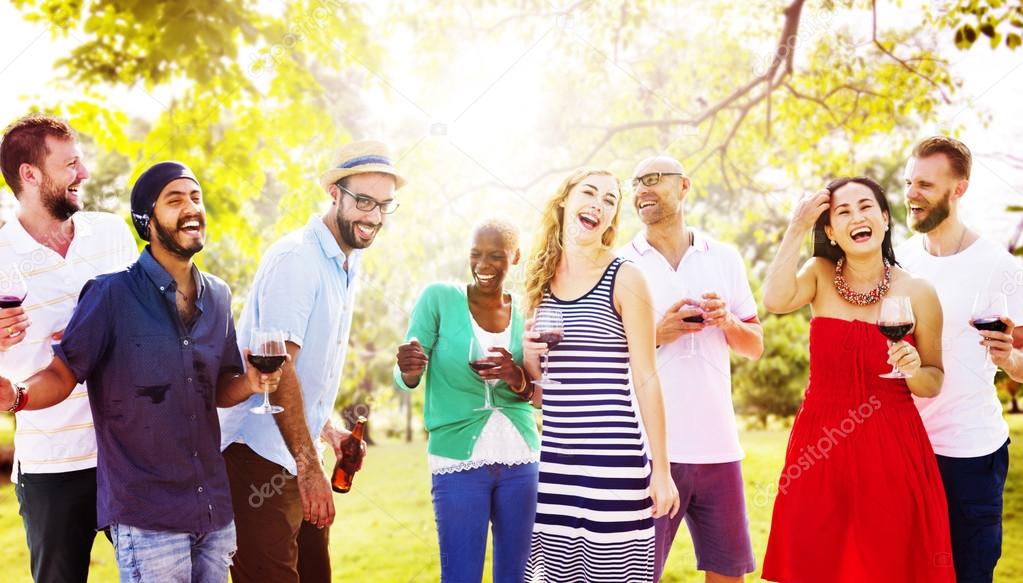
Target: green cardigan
{"x":441,"y":321}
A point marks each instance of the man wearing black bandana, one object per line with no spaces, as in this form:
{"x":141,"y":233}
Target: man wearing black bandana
{"x":157,"y":345}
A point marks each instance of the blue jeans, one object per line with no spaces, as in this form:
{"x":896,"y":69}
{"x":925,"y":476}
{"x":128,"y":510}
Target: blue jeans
{"x":466,"y":503}
{"x":172,"y":557}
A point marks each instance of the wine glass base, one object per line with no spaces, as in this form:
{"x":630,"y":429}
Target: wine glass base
{"x":893,"y":375}
{"x":267,"y":409}
{"x":488,"y":408}
{"x":544,"y":382}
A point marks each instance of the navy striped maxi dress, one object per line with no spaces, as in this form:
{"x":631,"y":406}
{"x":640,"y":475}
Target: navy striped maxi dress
{"x":593,"y":517}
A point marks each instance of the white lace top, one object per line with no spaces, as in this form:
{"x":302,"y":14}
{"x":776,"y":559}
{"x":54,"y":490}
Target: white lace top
{"x":499,"y":442}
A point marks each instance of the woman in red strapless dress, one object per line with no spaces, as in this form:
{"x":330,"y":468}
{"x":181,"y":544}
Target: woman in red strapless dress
{"x":860,"y":498}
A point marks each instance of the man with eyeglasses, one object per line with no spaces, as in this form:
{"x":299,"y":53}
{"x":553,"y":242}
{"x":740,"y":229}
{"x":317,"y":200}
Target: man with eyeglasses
{"x":694,"y":277}
{"x":305,"y":287}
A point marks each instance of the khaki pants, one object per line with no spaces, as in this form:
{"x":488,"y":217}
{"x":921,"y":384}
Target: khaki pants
{"x":274,"y":542}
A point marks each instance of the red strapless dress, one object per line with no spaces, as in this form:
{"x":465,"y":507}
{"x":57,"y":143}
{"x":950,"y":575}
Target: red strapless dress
{"x":860,"y":499}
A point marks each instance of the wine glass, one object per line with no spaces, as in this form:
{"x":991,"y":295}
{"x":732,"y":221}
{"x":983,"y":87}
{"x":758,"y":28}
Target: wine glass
{"x":13,"y":289}
{"x":895,"y":322}
{"x":267,"y":354}
{"x":550,"y":323}
{"x":478,"y":363}
{"x":694,"y":319}
{"x":988,"y":311}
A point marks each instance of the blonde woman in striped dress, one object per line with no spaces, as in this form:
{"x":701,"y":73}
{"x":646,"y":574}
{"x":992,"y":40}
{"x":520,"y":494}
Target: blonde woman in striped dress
{"x":601,"y":483}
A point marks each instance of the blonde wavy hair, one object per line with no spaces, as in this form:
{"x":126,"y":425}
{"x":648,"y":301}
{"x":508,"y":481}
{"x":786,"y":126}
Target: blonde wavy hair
{"x":549,"y":246}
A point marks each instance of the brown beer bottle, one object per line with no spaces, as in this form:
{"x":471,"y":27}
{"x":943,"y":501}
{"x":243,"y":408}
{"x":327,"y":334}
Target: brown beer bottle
{"x":350,"y":460}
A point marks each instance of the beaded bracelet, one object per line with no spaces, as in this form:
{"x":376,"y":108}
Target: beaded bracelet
{"x":20,"y":398}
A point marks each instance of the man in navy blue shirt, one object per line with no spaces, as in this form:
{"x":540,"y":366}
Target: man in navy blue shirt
{"x":157,"y":345}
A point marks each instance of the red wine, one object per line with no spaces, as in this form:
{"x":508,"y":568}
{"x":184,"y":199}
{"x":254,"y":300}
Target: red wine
{"x":552,"y":338}
{"x":989,"y":324}
{"x":697,"y":319}
{"x":10,"y":301}
{"x":482,"y":365}
{"x":895,"y":331}
{"x":266,"y":364}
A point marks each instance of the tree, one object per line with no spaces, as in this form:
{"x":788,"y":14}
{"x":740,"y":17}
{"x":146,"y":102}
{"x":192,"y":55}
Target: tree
{"x":774,"y":385}
{"x":759,"y":99}
{"x":1000,"y":21}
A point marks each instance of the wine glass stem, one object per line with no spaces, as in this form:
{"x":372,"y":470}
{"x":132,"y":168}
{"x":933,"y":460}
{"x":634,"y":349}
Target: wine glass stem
{"x":692,"y":343}
{"x":546,"y":356}
{"x":488,"y":395}
{"x":266,"y":400}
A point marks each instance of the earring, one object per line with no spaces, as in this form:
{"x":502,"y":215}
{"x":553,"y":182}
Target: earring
{"x":832,"y":241}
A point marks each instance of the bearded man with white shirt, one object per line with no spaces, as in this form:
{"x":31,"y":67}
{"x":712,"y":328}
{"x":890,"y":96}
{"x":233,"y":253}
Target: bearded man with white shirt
{"x":693,"y":276}
{"x":964,"y":422}
{"x":57,"y":249}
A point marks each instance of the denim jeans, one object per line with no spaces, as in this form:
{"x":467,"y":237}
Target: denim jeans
{"x":974,"y":489}
{"x":172,"y":557}
{"x":466,"y":503}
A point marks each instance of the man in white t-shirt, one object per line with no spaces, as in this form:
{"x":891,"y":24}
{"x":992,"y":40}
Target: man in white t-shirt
{"x":56,"y":248}
{"x":693,"y":276}
{"x":965,"y":422}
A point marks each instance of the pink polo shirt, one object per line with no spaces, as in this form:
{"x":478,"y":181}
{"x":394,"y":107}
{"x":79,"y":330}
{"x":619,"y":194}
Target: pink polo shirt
{"x":698,"y":390}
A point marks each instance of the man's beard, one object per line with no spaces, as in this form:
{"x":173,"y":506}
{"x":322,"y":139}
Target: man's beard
{"x":55,"y":200}
{"x":347,"y":230}
{"x":935,"y":215}
{"x":167,"y":238}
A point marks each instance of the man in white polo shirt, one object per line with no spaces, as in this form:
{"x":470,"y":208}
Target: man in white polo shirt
{"x":57,"y":249}
{"x":965,"y":422}
{"x":693,"y":276}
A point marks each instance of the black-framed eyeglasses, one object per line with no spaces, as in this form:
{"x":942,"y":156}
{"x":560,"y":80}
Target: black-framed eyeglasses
{"x":652,"y":179}
{"x":366,"y":204}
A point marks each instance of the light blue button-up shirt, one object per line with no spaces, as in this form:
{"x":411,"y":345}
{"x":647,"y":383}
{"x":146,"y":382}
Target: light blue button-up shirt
{"x":303,"y":289}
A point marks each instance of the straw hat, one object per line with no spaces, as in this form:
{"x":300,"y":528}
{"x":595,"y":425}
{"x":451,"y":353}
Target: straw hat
{"x":359,"y":158}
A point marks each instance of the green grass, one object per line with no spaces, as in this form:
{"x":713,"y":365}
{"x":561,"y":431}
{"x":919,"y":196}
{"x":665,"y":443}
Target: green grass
{"x":385,"y":530}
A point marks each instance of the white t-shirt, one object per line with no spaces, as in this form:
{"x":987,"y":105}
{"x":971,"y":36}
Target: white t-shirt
{"x":60,"y":438}
{"x":697,"y":390}
{"x":500,"y":441}
{"x":965,"y":419}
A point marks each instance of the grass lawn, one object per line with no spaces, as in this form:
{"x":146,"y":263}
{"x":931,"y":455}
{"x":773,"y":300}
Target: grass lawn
{"x":385,"y":528}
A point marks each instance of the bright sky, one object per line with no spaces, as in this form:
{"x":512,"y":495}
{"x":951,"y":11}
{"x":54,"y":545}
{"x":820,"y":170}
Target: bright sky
{"x":993,"y":82}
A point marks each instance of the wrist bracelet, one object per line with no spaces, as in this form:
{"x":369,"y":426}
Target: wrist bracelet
{"x":20,"y":398}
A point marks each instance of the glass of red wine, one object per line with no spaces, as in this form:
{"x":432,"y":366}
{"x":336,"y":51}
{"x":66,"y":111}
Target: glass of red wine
{"x":479,"y":363}
{"x":12,"y":288}
{"x":694,"y":319}
{"x":988,"y":311}
{"x":267,"y":354}
{"x":549,"y":322}
{"x":895,"y":322}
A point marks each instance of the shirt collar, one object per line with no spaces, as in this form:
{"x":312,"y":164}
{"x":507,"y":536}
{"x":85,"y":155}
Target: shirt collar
{"x":23,"y":242}
{"x":163,"y":280}
{"x":700,"y":242}
{"x":329,"y":246}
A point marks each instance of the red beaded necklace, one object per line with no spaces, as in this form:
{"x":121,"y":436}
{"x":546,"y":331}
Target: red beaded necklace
{"x":855,"y":297}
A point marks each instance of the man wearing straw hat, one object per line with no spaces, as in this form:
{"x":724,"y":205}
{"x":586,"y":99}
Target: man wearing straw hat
{"x":305,"y":287}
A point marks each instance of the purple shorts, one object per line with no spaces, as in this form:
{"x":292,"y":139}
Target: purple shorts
{"x":714,"y":506}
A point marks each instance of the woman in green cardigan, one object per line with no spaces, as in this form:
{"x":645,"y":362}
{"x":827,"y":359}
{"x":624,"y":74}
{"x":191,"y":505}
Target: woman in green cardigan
{"x":484,"y":462}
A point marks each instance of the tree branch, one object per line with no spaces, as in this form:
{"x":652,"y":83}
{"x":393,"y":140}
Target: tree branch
{"x":905,"y":64}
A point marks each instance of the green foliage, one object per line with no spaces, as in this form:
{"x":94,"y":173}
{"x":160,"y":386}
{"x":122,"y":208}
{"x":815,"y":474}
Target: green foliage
{"x":256,"y":98}
{"x":128,"y":41}
{"x":773,"y":386}
{"x":1000,"y":21}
